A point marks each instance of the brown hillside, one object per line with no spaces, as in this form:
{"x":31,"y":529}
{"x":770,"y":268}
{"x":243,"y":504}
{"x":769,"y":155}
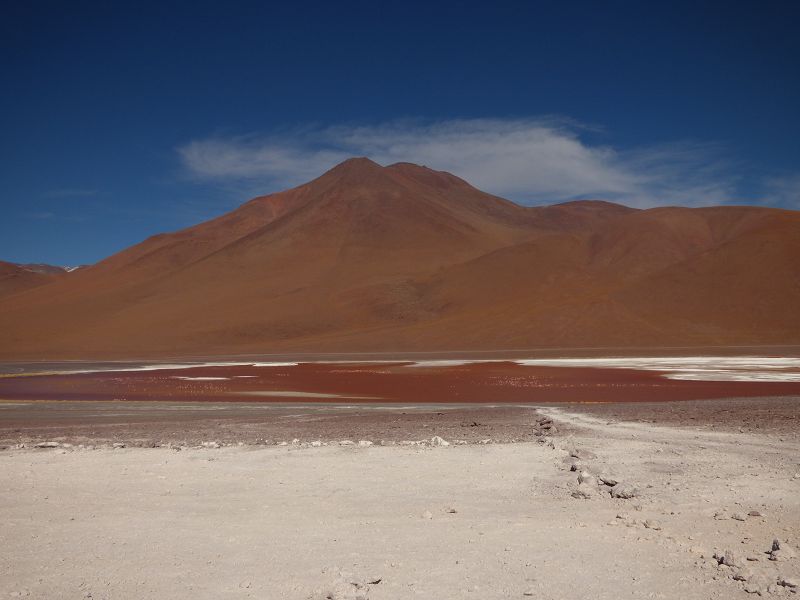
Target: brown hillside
{"x":407,"y":258}
{"x":16,"y":278}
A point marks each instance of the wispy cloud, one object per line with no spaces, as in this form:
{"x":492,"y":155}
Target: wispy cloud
{"x":529,"y":160}
{"x":783,"y":190}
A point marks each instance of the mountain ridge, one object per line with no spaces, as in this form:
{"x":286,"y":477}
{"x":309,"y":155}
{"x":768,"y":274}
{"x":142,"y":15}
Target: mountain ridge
{"x":403,"y":257}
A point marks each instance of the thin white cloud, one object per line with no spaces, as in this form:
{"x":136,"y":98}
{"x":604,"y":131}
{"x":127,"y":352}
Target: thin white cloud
{"x":528,"y":160}
{"x":783,"y":190}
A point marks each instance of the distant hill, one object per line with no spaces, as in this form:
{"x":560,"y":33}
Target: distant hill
{"x":372,"y":258}
{"x":15,"y":278}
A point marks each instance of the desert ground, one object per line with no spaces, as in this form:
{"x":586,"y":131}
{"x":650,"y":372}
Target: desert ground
{"x":396,"y":502}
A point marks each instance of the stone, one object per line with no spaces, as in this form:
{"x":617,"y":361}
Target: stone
{"x":584,"y":491}
{"x":437,"y":441}
{"x":781,"y":551}
{"x":608,"y":479}
{"x":47,"y":445}
{"x":742,"y":574}
{"x":587,"y":478}
{"x":789,"y":582}
{"x":118,"y":445}
{"x":738,"y":517}
{"x":758,"y":583}
{"x":650,"y":524}
{"x":624,"y":490}
{"x":582,"y":454}
{"x":754,"y":513}
{"x":344,"y":590}
{"x":316,"y":444}
{"x":364,"y":443}
{"x":784,"y":553}
{"x":347,"y":443}
{"x":728,"y":558}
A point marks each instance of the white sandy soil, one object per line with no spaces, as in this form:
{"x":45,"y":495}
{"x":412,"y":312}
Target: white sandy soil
{"x":476,"y":521}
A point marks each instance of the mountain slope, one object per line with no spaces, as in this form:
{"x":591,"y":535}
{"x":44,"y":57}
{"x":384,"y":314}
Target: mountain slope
{"x":15,"y":278}
{"x":407,"y":258}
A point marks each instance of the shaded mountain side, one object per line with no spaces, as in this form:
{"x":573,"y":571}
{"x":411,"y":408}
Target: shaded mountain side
{"x":15,"y":278}
{"x":407,"y":258}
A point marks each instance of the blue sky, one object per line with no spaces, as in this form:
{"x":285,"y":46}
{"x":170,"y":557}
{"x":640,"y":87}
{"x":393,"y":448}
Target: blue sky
{"x":121,"y":121}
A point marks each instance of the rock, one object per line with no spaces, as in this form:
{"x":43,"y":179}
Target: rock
{"x":754,"y":513}
{"x":437,"y":441}
{"x":576,"y":466}
{"x":427,"y":515}
{"x":608,"y":479}
{"x":742,"y":574}
{"x":784,"y":553}
{"x":584,"y":491}
{"x":738,"y":517}
{"x":47,"y":445}
{"x":451,"y":510}
{"x":728,"y":558}
{"x":781,"y":551}
{"x":720,"y":516}
{"x":758,"y":583}
{"x":347,"y":443}
{"x":582,"y":454}
{"x":789,"y":582}
{"x":316,"y":444}
{"x":624,"y":490}
{"x":587,"y":478}
{"x":211,"y":445}
{"x":344,"y":590}
{"x":364,"y":443}
{"x":773,"y":588}
{"x":118,"y":445}
{"x":650,"y":524}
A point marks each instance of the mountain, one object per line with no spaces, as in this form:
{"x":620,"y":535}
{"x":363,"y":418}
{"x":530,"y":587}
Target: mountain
{"x":15,"y":278}
{"x":401,"y":258}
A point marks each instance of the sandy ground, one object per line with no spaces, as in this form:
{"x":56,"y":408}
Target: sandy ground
{"x":466,"y":521}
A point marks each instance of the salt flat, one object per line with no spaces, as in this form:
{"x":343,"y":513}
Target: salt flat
{"x":469,"y":521}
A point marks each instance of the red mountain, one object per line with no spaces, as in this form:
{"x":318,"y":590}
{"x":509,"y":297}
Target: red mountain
{"x":406,"y":258}
{"x":15,"y":278}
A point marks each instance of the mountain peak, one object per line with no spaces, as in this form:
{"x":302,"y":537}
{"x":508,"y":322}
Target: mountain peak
{"x":356,"y":164}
